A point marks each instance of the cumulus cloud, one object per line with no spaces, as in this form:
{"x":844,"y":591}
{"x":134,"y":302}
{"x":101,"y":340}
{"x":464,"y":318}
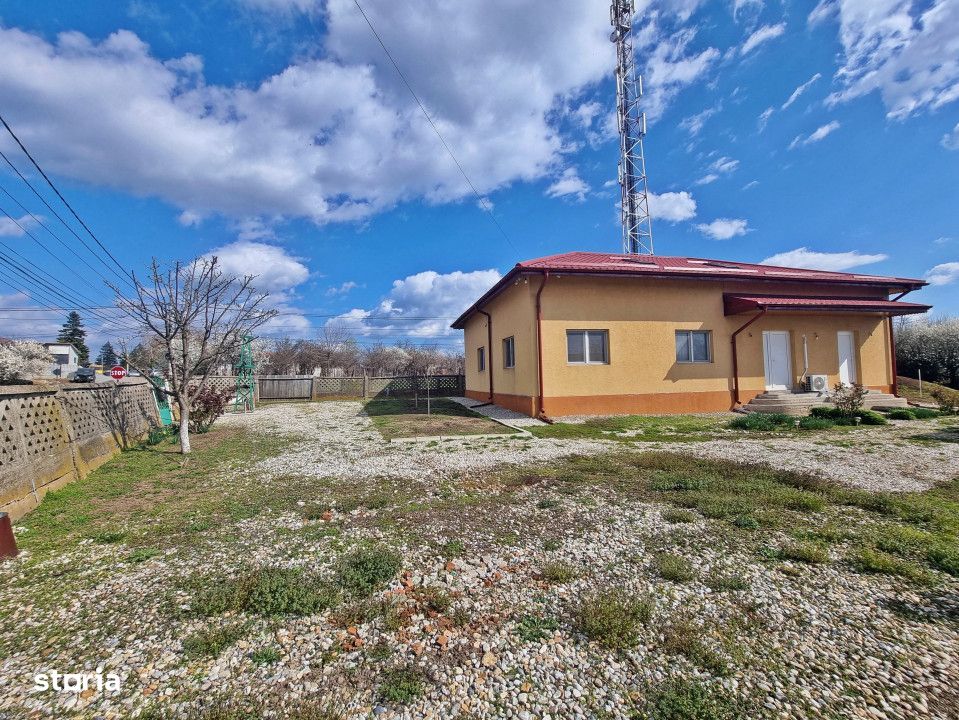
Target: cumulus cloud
{"x":950,"y":140}
{"x":815,"y":136}
{"x":762,"y":35}
{"x":800,"y":90}
{"x":569,"y":184}
{"x":672,"y":206}
{"x":419,"y":306}
{"x":943,"y":274}
{"x":724,"y":228}
{"x":277,"y":272}
{"x":906,"y":51}
{"x":805,"y":258}
{"x":14,"y":228}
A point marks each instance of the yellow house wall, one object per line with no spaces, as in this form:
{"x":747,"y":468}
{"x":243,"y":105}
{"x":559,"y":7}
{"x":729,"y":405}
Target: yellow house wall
{"x":642,"y":317}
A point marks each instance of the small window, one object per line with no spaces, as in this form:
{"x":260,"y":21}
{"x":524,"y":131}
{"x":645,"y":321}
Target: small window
{"x":509,"y":353}
{"x":693,"y":346}
{"x":481,"y":359}
{"x":590,"y":347}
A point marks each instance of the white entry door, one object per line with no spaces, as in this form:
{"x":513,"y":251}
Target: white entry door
{"x":847,"y":358}
{"x":776,"y":359}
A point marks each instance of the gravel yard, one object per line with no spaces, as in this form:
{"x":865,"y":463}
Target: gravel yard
{"x":521,"y":578}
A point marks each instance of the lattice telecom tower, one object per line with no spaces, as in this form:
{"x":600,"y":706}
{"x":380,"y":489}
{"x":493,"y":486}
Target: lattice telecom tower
{"x":245,"y":377}
{"x":637,"y":228}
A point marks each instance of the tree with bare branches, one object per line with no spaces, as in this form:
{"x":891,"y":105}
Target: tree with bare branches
{"x":200,"y":316}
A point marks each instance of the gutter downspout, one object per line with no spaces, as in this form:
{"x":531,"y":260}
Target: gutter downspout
{"x":489,"y":355}
{"x":539,"y":347}
{"x":892,"y":353}
{"x":736,"y":357}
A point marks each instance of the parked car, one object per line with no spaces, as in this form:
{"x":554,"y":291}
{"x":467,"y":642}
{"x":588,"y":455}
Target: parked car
{"x":84,"y":375}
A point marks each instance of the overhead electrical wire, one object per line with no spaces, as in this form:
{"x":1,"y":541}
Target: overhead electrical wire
{"x":483,"y":202}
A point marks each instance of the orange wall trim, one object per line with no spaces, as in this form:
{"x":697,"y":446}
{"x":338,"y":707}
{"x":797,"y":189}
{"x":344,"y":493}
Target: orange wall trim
{"x":518,"y":403}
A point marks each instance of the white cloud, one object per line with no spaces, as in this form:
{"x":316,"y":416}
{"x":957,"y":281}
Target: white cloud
{"x":189,"y":218}
{"x":762,"y":35}
{"x":342,"y":289}
{"x":906,"y":51}
{"x":942,"y":240}
{"x":724,"y":228}
{"x":669,"y":67}
{"x":724,"y":165}
{"x":707,"y":179}
{"x":805,"y":258}
{"x":420,"y":306}
{"x":750,"y":185}
{"x":824,"y":10}
{"x":277,"y":272}
{"x":672,"y":206}
{"x":15,"y":228}
{"x":41,"y":324}
{"x":943,"y":274}
{"x":764,"y":118}
{"x":753,"y":5}
{"x":815,"y":136}
{"x":569,"y":184}
{"x":800,"y":90}
{"x":950,"y":140}
{"x":695,"y":123}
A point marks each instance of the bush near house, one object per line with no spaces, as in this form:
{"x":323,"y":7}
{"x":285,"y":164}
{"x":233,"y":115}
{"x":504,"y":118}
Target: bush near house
{"x":866,"y":417}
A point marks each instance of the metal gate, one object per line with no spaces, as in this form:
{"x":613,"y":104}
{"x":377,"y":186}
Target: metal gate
{"x":285,"y":387}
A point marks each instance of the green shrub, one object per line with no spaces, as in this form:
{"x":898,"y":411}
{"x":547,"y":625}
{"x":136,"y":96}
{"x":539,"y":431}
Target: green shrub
{"x":825,"y":412}
{"x":901,"y":414}
{"x":746,"y":522}
{"x":365,"y":570}
{"x":402,"y":685}
{"x":866,"y":417}
{"x":558,"y":572}
{"x":673,"y":568}
{"x":816,"y":423}
{"x":944,"y":558}
{"x":924,"y":413}
{"x":805,"y":552}
{"x":263,"y":591}
{"x":762,"y":422}
{"x":871,"y":417}
{"x":873,"y":561}
{"x":717,"y":581}
{"x":682,"y":699}
{"x":612,"y":618}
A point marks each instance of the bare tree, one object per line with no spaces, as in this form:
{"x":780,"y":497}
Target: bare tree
{"x":200,"y":315}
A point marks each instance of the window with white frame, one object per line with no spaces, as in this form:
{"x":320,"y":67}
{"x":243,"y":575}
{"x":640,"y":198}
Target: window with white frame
{"x":587,"y":347}
{"x":481,"y":359}
{"x":509,"y":353}
{"x":694,"y":346}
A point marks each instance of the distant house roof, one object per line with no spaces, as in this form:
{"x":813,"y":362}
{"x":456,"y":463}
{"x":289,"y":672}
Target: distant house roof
{"x":48,"y":344}
{"x":661,"y":266}
{"x":735,"y":304}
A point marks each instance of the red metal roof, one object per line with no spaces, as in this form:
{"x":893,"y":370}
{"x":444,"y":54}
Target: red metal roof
{"x":735,"y":304}
{"x":660,"y":266}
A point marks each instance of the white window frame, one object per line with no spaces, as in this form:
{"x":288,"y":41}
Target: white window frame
{"x":586,"y":359}
{"x":689,"y":344}
{"x":481,"y":359}
{"x":509,"y":358}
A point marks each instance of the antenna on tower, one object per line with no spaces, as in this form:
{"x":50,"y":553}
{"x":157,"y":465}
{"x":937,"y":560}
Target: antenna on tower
{"x":637,"y":228}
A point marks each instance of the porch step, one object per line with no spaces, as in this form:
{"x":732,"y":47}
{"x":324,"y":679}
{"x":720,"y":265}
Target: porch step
{"x":799,"y":404}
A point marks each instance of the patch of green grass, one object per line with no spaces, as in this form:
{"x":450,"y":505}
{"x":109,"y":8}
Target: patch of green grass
{"x":634,"y":428}
{"x":684,"y":638}
{"x":720,"y":581}
{"x":402,"y":685}
{"x":364,"y":570}
{"x":263,"y":591}
{"x":265,"y":656}
{"x":453,"y":549}
{"x":682,"y":699}
{"x":558,"y":572}
{"x":763,"y":422}
{"x":806,"y":552}
{"x":674,"y":568}
{"x":945,"y":558}
{"x":876,"y":562}
{"x":815,"y":423}
{"x":548,"y":504}
{"x":108,"y":537}
{"x":674,"y":515}
{"x":141,"y":555}
{"x":902,"y":540}
{"x":612,"y":618}
{"x":210,"y":642}
{"x":434,"y":598}
{"x":533,"y":628}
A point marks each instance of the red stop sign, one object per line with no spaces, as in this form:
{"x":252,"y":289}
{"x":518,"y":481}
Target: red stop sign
{"x":118,"y":372}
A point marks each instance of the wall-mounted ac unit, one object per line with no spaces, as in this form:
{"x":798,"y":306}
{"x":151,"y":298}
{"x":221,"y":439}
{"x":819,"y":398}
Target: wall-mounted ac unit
{"x":817,"y":383}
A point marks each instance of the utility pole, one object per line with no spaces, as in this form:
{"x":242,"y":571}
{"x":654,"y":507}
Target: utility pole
{"x":637,"y":228}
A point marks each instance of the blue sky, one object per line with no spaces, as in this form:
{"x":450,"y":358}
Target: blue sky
{"x":276,"y":134}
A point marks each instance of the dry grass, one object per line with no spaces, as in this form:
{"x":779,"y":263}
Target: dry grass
{"x":401,"y":418}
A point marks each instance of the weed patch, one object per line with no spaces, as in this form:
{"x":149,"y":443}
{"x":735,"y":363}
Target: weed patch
{"x":673,"y":568}
{"x":680,"y":699}
{"x":365,"y":570}
{"x":402,"y":685}
{"x":612,"y":618}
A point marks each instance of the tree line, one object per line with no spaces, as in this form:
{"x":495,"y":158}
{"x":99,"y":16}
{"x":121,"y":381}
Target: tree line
{"x":929,"y":346}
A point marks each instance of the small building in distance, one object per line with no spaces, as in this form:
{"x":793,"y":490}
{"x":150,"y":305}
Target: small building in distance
{"x":64,"y":358}
{"x":589,"y":333}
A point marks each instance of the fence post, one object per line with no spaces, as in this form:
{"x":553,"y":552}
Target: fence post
{"x":366,"y":385}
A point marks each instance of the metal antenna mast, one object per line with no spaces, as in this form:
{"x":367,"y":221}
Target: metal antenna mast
{"x":637,"y":228}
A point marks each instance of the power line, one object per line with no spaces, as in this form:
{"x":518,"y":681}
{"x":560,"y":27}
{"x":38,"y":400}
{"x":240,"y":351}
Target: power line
{"x":123,"y":271}
{"x":483,"y":203}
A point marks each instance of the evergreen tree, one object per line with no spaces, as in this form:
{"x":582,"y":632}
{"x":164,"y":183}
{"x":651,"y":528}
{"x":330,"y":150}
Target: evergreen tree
{"x":108,"y":356}
{"x":74,"y":333}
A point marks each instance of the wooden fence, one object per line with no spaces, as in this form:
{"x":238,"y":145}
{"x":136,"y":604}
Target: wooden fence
{"x":306,"y":387}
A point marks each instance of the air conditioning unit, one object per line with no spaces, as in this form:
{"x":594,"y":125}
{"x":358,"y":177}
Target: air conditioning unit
{"x":817,"y":383}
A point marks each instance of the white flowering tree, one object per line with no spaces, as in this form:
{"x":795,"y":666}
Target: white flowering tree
{"x":22,"y":360}
{"x":931,"y":346}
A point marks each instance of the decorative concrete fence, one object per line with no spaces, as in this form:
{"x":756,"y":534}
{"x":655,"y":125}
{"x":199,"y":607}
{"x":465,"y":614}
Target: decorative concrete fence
{"x":317,"y":387}
{"x":50,"y":436}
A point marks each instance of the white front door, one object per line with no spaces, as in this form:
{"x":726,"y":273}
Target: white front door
{"x":847,"y":358}
{"x":776,"y":359}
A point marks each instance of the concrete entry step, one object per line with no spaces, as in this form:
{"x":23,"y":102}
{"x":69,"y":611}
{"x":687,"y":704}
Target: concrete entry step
{"x":799,"y":404}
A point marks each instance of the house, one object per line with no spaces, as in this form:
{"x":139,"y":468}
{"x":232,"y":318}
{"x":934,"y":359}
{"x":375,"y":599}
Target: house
{"x":599,"y":333}
{"x":65,"y":359}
